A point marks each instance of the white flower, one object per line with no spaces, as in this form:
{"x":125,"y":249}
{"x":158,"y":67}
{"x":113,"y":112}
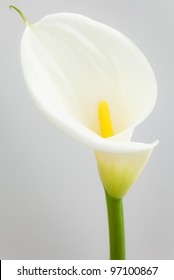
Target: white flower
{"x":71,"y":63}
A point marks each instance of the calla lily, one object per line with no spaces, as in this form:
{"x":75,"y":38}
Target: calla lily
{"x":71,"y":63}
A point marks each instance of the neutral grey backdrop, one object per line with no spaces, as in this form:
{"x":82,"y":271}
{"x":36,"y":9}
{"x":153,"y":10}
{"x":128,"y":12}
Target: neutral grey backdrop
{"x":52,"y":204}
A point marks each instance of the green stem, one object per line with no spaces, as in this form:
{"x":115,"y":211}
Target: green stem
{"x":21,"y":14}
{"x":116,"y":228}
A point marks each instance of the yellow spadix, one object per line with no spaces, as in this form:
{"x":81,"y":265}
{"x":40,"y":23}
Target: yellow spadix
{"x":105,"y":120}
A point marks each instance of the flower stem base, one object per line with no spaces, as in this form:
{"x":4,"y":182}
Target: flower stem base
{"x":116,"y":228}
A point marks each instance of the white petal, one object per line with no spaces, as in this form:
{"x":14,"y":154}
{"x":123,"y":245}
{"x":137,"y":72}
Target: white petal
{"x":71,"y":63}
{"x":118,"y":171}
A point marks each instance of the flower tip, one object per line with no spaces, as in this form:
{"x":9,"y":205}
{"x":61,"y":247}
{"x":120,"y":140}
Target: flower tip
{"x":21,"y":14}
{"x":156,"y":143}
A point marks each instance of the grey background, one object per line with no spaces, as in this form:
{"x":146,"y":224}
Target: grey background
{"x":52,"y":203}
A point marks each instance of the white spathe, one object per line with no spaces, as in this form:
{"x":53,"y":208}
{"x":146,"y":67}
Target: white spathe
{"x":70,"y":64}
